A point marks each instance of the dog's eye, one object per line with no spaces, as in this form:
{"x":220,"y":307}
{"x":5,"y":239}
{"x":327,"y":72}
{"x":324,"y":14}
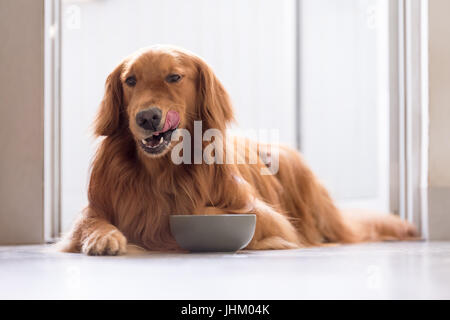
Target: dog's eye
{"x":172,"y":78}
{"x":131,"y":81}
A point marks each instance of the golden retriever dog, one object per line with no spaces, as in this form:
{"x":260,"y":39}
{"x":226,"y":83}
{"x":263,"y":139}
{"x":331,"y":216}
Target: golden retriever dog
{"x":135,"y":186}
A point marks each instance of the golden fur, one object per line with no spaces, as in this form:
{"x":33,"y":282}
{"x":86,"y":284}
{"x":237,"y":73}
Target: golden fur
{"x":132,"y":194}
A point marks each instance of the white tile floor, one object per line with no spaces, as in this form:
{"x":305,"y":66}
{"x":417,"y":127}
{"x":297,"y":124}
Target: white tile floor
{"x":382,"y":270}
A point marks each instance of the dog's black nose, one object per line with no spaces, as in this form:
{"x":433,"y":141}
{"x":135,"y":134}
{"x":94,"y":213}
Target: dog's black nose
{"x":149,"y":119}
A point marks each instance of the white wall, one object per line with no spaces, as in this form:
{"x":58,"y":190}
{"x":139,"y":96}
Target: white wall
{"x":439,"y":117}
{"x":250,"y":44}
{"x":21,"y":121}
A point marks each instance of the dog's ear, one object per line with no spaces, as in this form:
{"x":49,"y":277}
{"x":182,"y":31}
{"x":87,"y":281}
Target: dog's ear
{"x":213,"y":103}
{"x":109,"y":116}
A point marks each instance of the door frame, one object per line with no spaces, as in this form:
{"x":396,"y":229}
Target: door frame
{"x":52,"y":120}
{"x":409,"y":111}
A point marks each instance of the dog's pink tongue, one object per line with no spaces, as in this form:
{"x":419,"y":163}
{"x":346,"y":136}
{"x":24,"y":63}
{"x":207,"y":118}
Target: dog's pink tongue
{"x":172,"y":120}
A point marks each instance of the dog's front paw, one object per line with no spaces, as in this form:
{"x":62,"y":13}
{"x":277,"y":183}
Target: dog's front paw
{"x":101,"y":243}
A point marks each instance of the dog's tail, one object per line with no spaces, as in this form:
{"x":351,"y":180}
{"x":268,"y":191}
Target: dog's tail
{"x":318,"y":220}
{"x":375,"y":226}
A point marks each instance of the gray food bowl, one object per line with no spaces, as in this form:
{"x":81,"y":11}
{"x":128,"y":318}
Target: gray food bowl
{"x":209,"y":233}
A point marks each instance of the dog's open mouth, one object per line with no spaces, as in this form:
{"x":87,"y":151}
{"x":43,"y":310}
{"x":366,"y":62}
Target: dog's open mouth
{"x":157,"y":142}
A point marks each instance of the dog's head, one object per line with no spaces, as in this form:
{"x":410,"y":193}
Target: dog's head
{"x":157,"y":90}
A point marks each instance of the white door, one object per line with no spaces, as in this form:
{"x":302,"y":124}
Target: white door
{"x":250,"y":44}
{"x":344,"y":90}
